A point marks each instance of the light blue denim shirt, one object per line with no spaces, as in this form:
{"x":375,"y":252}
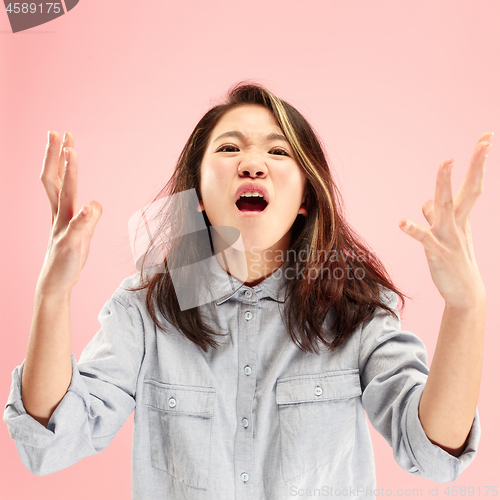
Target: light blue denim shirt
{"x":255,"y":419}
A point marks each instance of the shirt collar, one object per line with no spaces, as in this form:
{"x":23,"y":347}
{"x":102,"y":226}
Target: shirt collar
{"x":223,"y":286}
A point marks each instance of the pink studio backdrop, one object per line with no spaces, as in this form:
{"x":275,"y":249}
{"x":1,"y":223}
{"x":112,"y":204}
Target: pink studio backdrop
{"x":391,"y":87}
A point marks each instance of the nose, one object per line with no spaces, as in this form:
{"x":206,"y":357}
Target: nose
{"x":251,"y":167}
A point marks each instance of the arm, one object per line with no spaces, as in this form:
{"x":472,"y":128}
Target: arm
{"x":450,"y":396}
{"x":394,"y":374}
{"x":99,"y":399}
{"x":47,"y":368}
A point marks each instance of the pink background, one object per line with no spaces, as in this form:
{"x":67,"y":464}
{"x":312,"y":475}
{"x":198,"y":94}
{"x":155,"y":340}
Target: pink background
{"x":391,"y":87}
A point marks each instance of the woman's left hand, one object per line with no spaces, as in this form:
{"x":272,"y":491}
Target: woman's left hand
{"x":448,"y":240}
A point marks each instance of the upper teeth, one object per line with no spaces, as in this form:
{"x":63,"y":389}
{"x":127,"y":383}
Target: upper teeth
{"x":252,"y":193}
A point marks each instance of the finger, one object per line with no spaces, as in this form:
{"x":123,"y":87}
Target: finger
{"x":67,"y":207}
{"x":485,"y":137}
{"x":67,"y":141}
{"x":418,"y":232}
{"x":444,"y":216}
{"x":49,"y":175}
{"x":428,"y":211}
{"x":473,"y":183}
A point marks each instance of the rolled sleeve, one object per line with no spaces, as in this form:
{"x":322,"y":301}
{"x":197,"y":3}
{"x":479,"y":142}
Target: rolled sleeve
{"x":393,"y":367}
{"x":97,"y":403}
{"x":429,"y":456}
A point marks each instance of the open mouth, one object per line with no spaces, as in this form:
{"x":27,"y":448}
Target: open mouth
{"x":251,"y":204}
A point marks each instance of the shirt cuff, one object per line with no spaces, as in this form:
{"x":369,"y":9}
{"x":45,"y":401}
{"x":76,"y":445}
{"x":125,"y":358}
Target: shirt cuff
{"x":438,"y":464}
{"x":24,"y":429}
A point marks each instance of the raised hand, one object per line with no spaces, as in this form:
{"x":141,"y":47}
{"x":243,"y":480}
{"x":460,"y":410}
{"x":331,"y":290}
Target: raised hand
{"x":448,"y":240}
{"x":71,"y":231}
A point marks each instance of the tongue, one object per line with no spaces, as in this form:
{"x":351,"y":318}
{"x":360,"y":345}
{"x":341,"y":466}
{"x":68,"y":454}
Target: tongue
{"x":254,"y":204}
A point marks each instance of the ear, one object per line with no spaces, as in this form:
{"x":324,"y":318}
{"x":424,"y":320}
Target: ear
{"x":200,"y":207}
{"x":302,"y":209}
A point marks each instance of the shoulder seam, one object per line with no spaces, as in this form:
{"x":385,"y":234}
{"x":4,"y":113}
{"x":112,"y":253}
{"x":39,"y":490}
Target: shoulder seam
{"x":121,"y":298}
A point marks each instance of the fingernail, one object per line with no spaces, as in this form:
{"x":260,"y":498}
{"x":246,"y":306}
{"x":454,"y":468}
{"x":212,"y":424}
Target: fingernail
{"x":448,"y":165}
{"x":49,"y":136}
{"x":66,"y":154}
{"x":65,"y":137}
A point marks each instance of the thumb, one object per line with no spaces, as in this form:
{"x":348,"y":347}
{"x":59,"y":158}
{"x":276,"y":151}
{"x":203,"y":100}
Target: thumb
{"x":80,"y":220}
{"x":89,"y":214}
{"x":94,"y":208}
{"x":94,"y":212}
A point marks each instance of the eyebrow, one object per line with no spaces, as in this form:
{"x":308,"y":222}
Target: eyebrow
{"x":236,"y":133}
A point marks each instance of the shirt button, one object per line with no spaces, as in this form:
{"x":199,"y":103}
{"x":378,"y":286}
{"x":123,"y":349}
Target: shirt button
{"x":248,"y":315}
{"x":247,"y":370}
{"x":244,"y":477}
{"x":172,"y":402}
{"x":245,"y":423}
{"x":318,"y":391}
{"x":248,"y":294}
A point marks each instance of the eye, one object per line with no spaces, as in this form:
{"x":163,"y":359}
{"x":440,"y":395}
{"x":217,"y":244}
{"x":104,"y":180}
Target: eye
{"x":282,"y":151}
{"x":223,"y":149}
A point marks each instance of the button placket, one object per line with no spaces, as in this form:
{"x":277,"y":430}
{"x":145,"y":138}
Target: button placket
{"x":247,"y":357}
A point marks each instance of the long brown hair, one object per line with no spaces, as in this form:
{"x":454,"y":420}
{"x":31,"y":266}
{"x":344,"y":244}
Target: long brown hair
{"x":346,"y":274}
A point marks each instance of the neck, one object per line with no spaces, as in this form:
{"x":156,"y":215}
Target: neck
{"x":253,"y":267}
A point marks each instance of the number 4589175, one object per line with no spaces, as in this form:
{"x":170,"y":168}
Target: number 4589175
{"x":32,"y":8}
{"x":469,"y":491}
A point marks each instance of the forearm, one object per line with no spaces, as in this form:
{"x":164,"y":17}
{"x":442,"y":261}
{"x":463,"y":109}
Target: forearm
{"x":47,"y":368}
{"x":449,"y":399}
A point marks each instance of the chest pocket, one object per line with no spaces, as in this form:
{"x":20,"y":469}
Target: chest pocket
{"x":316,"y":418}
{"x":180,"y":427}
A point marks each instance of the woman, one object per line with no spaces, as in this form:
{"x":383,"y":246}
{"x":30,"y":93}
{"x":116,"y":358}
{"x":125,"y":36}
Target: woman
{"x":261,"y":391}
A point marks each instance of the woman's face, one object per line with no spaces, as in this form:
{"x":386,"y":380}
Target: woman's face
{"x":245,"y":154}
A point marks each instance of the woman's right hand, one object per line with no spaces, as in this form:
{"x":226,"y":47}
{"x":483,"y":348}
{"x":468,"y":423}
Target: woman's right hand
{"x":72,"y":230}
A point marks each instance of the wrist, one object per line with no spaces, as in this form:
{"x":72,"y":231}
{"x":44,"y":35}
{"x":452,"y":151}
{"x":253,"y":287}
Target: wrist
{"x":471,"y":306}
{"x":45,"y":292}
